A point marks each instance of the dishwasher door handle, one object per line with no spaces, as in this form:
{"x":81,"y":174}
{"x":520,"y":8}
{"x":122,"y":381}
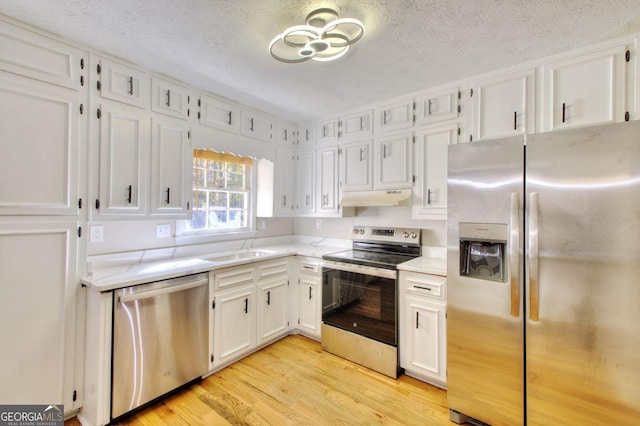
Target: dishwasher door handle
{"x":160,"y":291}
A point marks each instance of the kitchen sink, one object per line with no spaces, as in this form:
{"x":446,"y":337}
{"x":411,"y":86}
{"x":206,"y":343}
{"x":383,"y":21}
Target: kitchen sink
{"x":251,"y":254}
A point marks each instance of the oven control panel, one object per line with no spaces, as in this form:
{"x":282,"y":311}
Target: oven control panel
{"x":391,"y":235}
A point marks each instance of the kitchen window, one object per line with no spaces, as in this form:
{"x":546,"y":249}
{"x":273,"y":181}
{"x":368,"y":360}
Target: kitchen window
{"x":221,"y":193}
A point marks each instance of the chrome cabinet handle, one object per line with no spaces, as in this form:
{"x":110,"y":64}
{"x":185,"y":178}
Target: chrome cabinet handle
{"x":131,"y":86}
{"x":362,"y":123}
{"x":285,"y":134}
{"x":168,"y":103}
{"x":514,"y":254}
{"x":534,"y":285}
{"x":307,"y":135}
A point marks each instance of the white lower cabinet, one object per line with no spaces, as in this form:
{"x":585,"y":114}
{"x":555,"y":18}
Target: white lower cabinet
{"x":309,"y":297}
{"x":423,"y":329}
{"x":234,"y":324}
{"x":272,"y":309}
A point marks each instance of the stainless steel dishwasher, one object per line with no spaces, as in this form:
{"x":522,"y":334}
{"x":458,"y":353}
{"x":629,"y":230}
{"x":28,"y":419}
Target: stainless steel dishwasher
{"x":160,"y":339}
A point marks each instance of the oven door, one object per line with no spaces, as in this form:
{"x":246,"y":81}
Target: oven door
{"x":361,"y":299}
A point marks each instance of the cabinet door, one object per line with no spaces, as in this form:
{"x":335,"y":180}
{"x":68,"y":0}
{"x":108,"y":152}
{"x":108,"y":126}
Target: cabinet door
{"x":430,"y":192}
{"x":356,"y":166}
{"x":588,"y":89}
{"x":395,"y":116}
{"x":307,"y":136}
{"x":286,"y":134}
{"x":256,"y":126}
{"x":394,"y":161}
{"x":356,"y":126}
{"x":328,"y":131}
{"x":284,"y":189}
{"x":327,"y":193}
{"x":504,"y":106}
{"x":169,"y":98}
{"x":218,"y":114}
{"x":235,"y":324}
{"x":122,"y":83}
{"x":272,"y":309}
{"x":306,"y":174}
{"x":438,"y":106}
{"x":124,"y":157}
{"x":310,"y":304}
{"x":39,"y":127}
{"x":38,"y":297}
{"x":425,"y":347}
{"x":172,"y":168}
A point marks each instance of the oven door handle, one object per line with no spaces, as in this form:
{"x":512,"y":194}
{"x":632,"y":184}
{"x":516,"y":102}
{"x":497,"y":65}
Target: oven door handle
{"x":363,"y":270}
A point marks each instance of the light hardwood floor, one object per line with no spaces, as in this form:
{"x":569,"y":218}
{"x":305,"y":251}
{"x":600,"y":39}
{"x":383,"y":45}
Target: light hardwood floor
{"x":292,"y":382}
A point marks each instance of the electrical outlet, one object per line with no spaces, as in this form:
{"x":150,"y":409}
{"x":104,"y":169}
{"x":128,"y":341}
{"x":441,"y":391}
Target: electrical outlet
{"x":96,"y":233}
{"x":163,"y":231}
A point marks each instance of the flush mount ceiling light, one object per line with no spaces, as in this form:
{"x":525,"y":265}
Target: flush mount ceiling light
{"x":323,"y":38}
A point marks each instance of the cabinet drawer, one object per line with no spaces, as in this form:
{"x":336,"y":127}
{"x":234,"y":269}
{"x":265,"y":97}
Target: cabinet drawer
{"x":231,"y":277}
{"x":273,"y":268}
{"x":431,"y":286}
{"x":309,"y":267}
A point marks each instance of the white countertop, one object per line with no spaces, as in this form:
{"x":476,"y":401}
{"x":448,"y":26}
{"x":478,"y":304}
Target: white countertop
{"x":109,"y":275}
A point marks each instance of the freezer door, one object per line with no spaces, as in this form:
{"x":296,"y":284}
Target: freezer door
{"x":583,"y":293}
{"x":485,"y":377}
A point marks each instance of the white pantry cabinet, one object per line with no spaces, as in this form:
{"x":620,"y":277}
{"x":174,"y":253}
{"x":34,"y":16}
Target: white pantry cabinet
{"x":171,"y":168}
{"x":309,"y":297}
{"x":503,"y":106}
{"x":357,"y":166}
{"x":41,"y":129}
{"x":431,"y":153}
{"x":284,"y":198}
{"x":393,"y":158}
{"x":124,"y":159}
{"x":585,"y":89}
{"x":306,"y":179}
{"x":170,"y":98}
{"x":218,"y":114}
{"x":395,"y":116}
{"x":38,"y":296}
{"x":438,"y":105}
{"x":327,"y":186}
{"x":123,"y":83}
{"x":423,"y":329}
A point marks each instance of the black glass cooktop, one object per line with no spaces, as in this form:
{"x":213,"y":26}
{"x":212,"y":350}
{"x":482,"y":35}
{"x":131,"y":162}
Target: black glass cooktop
{"x":369,"y":258}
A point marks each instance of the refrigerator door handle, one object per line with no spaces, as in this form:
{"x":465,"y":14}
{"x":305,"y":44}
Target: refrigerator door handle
{"x":515,"y":255}
{"x":533,"y":258}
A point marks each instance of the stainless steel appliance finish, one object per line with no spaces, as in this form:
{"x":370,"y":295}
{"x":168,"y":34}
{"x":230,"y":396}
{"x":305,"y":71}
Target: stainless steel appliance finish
{"x":557,"y":340}
{"x":160,"y":339}
{"x":360,"y":297}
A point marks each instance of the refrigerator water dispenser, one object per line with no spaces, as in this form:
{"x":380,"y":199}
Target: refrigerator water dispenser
{"x":483,"y":251}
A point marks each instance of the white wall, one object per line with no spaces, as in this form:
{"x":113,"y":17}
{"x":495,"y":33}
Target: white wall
{"x":434,"y":232}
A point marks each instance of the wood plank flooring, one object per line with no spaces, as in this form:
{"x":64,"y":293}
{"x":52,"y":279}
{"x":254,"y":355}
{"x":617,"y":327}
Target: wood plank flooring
{"x":292,"y":382}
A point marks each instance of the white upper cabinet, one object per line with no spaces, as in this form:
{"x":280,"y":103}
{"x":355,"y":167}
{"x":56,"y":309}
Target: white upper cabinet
{"x":284,"y":198}
{"x":219,"y":114}
{"x":356,"y":126}
{"x":328,"y":131}
{"x":394,"y":116}
{"x":286,"y":133}
{"x":40,"y":127}
{"x":306,"y":135}
{"x":393,"y":161}
{"x":306,"y":178}
{"x":585,"y":89}
{"x":169,"y":98}
{"x":438,"y":105}
{"x":256,"y":125}
{"x":357,"y":166}
{"x":122,"y":83}
{"x":171,"y":168}
{"x":124,"y":156}
{"x":503,"y":106}
{"x":431,"y":153}
{"x":327,"y":191}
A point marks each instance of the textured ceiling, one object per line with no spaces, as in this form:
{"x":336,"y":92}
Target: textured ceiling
{"x":409,"y":45}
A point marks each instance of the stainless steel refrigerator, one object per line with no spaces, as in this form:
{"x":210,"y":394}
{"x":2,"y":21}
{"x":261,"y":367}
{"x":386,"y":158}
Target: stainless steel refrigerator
{"x":543,"y":246}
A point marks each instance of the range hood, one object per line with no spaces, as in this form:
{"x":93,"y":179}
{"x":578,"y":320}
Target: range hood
{"x":391,"y":197}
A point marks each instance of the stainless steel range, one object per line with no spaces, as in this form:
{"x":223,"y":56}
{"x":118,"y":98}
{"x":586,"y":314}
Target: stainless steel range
{"x":360,"y":296}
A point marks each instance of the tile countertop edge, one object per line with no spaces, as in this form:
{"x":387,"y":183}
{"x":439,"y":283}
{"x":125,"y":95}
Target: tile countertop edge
{"x":108,"y":279}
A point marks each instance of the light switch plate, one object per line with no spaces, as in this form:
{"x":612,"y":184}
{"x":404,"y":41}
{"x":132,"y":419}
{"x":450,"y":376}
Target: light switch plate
{"x":163,"y":231}
{"x":96,"y":233}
